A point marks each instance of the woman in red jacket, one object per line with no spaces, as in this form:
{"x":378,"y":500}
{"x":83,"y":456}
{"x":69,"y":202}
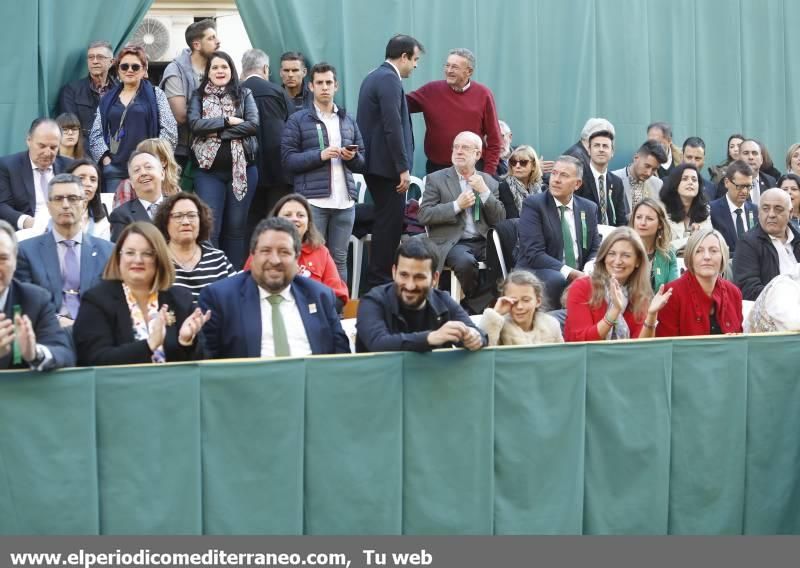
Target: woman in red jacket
{"x":616,"y":301}
{"x":315,"y":260}
{"x":703,"y":302}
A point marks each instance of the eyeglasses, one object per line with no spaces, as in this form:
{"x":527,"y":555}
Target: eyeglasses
{"x":742,"y":187}
{"x":464,"y":147}
{"x":97,"y":57}
{"x":515,"y":162}
{"x":132,"y":66}
{"x":190,"y":216}
{"x":131,"y":254}
{"x":72,"y":199}
{"x":70,"y":130}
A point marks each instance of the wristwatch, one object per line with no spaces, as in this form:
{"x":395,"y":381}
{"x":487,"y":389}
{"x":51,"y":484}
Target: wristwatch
{"x":40,"y":356}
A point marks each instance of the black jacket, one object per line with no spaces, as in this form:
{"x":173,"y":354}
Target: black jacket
{"x":79,"y":99}
{"x":381,"y":326}
{"x":103,"y":330}
{"x":615,"y":197}
{"x":246,"y":131}
{"x":274,"y":107}
{"x":756,"y":261}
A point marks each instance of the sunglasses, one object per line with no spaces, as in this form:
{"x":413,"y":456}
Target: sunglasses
{"x":514,"y":162}
{"x":132,"y":66}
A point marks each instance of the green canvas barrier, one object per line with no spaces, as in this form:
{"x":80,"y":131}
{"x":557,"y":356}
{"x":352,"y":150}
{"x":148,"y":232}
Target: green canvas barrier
{"x":696,"y":436}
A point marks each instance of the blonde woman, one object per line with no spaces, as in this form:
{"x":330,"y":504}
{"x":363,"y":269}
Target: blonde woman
{"x":649,"y":220}
{"x":616,"y":301}
{"x":524,"y":178}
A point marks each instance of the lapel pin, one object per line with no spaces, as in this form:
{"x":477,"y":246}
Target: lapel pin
{"x":312,"y":308}
{"x":94,"y":253}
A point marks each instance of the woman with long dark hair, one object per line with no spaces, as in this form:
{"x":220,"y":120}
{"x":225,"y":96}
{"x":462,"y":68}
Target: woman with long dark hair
{"x":686,"y":205}
{"x":224,"y":121}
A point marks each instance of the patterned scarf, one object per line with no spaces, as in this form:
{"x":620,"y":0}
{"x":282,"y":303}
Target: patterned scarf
{"x":621,"y":330}
{"x":637,"y":188}
{"x":217,"y":102}
{"x":140,"y":329}
{"x":520,"y":192}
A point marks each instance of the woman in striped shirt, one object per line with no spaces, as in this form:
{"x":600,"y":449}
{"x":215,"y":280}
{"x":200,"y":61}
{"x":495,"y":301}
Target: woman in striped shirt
{"x":185,"y":221}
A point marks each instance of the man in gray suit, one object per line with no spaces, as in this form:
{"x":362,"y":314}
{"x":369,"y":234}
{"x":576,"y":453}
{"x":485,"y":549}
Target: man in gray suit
{"x":65,"y":261}
{"x":458,"y":208}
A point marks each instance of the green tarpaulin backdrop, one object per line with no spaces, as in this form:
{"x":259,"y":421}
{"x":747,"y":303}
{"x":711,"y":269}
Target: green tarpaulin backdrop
{"x":648,"y":437}
{"x":711,"y":67}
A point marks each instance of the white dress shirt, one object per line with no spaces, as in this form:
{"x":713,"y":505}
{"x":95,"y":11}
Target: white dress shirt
{"x":146,"y":204}
{"x":295,"y":330}
{"x":41,"y":215}
{"x":340,"y":197}
{"x":470,"y":230}
{"x":569,"y":215}
{"x":786,"y":259}
{"x":732,"y":207}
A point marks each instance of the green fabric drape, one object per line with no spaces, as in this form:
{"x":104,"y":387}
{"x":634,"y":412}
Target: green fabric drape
{"x":46,"y":44}
{"x":710,"y":68}
{"x":644,"y":437}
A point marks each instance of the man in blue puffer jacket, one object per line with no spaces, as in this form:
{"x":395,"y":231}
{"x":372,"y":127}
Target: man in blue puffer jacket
{"x":321,"y":147}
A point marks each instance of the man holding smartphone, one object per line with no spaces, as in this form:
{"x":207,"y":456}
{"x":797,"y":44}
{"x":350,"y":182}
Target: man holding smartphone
{"x":321,"y":147}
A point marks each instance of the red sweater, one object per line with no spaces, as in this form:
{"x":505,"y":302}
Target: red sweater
{"x":688,"y":310}
{"x":318,"y":264}
{"x":582,"y":319}
{"x":447,"y":113}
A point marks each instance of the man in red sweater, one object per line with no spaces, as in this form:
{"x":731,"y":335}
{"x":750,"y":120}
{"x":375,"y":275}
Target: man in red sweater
{"x":455,"y":105}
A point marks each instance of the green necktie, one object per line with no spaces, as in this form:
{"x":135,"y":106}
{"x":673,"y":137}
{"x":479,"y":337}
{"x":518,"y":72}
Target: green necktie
{"x":569,"y":248}
{"x":476,"y":208}
{"x":279,"y":339}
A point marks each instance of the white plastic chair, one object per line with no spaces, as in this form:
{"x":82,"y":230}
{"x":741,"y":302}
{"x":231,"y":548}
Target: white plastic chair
{"x":605,"y":230}
{"x":358,"y":244}
{"x":107,"y":199}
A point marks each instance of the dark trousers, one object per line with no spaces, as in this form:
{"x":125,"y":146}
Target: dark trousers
{"x":463,"y":258}
{"x":387,"y":228}
{"x":554,"y":285}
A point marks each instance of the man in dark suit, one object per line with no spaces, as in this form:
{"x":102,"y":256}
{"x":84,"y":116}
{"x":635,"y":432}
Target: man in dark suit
{"x":733,"y":215}
{"x":270,"y":311}
{"x":580,"y":149}
{"x":147,"y":175}
{"x":661,"y":132}
{"x":385,"y":124}
{"x":459,"y":206}
{"x":558,"y":230}
{"x":768,"y":250}
{"x":24,"y":176}
{"x":64,"y":261}
{"x":274,"y":107}
{"x":600,"y":185}
{"x":750,"y":152}
{"x":27,"y":318}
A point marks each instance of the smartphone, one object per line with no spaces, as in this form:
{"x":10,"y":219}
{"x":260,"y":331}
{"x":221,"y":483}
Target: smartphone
{"x":352,"y":147}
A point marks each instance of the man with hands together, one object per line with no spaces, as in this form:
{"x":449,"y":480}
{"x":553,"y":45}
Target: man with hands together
{"x":410,"y":314}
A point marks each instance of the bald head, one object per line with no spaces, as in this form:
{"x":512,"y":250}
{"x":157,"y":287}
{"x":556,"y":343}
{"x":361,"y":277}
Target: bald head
{"x":774,"y":210}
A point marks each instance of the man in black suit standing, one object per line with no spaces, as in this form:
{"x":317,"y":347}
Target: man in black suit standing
{"x":385,"y":124}
{"x":600,"y":185}
{"x":30,"y":337}
{"x":146,"y":175}
{"x":274,"y":107}
{"x":24,"y":176}
{"x":558,"y":230}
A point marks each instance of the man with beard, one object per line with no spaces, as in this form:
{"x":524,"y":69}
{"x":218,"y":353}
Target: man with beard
{"x":639,"y":178}
{"x":297,"y":314}
{"x":410,"y":314}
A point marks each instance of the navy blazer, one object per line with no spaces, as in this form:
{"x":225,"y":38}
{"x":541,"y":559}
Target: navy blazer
{"x":541,"y":244}
{"x":234,"y":330}
{"x":615,"y":197}
{"x":722,"y":221}
{"x":126,"y":214}
{"x":17,"y":188}
{"x":35,"y":303}
{"x":37,"y":262}
{"x":385,"y":123}
{"x":765,"y":182}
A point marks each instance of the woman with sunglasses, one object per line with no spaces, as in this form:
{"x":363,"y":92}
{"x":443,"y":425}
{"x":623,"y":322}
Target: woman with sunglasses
{"x":524,"y":178}
{"x":130,"y":112}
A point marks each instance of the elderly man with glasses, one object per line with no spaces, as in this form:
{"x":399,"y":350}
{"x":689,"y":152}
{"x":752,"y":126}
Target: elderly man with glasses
{"x":458,"y":208}
{"x":65,"y":261}
{"x":81,"y":97}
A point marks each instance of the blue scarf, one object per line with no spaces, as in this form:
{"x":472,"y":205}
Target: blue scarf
{"x":148,"y":94}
